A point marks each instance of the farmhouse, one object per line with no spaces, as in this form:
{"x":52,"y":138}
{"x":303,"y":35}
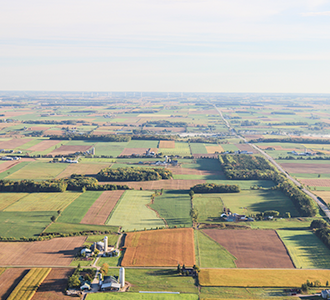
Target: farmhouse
{"x":325,"y":294}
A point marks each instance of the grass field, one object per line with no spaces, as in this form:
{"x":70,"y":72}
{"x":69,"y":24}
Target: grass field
{"x":306,"y":249}
{"x":43,"y":202}
{"x":209,"y":206}
{"x":181,"y":149}
{"x":204,"y":164}
{"x":198,"y":148}
{"x":7,"y":199}
{"x":72,"y":228}
{"x":261,"y":277}
{"x":75,"y":212}
{"x":142,"y":144}
{"x":23,"y":224}
{"x":132,"y":213}
{"x":110,"y":149}
{"x":174,"y":207}
{"x":29,"y":284}
{"x":292,"y":223}
{"x":255,"y":201}
{"x":141,"y":296}
{"x":38,"y":170}
{"x":210,"y":254}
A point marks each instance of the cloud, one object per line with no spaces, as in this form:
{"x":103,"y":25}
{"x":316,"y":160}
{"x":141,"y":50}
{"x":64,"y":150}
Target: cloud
{"x":316,"y":13}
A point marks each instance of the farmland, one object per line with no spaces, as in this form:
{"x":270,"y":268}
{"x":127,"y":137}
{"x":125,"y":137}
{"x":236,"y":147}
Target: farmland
{"x":9,"y":198}
{"x":139,"y":296}
{"x":209,"y":206}
{"x":11,"y":277}
{"x":132,"y":213}
{"x":166,"y":247}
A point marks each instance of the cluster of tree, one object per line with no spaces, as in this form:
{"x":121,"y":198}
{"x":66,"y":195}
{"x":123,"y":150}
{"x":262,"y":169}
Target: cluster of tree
{"x":63,"y":122}
{"x":324,"y":235}
{"x":73,"y":280}
{"x":134,"y":174}
{"x":291,"y":140}
{"x":83,"y":111}
{"x":249,"y":123}
{"x":287,"y":124}
{"x":104,"y":269}
{"x":203,"y":188}
{"x":283,"y":113}
{"x":84,"y":137}
{"x":165,"y":123}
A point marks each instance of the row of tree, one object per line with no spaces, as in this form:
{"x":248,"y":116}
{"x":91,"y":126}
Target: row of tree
{"x":204,"y":188}
{"x":291,"y":140}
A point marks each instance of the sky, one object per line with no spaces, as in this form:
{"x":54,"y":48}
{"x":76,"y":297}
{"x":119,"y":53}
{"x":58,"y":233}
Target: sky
{"x":165,"y":45}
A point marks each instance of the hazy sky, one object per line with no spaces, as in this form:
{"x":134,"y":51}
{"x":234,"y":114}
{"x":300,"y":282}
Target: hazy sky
{"x":156,"y":45}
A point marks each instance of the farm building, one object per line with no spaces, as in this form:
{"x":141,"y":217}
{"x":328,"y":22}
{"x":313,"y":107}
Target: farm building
{"x":325,"y":294}
{"x":86,"y":252}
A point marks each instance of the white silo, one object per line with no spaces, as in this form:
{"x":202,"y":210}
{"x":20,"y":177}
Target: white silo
{"x":105,"y":244}
{"x":122,"y":277}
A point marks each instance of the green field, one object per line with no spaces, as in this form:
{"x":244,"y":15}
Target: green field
{"x":43,"y":202}
{"x":14,"y":169}
{"x":7,"y":199}
{"x":181,"y":149}
{"x":110,"y":148}
{"x":72,"y":228}
{"x":23,"y":224}
{"x":174,"y":207}
{"x":251,"y":202}
{"x":141,"y":296}
{"x":75,"y":212}
{"x":132,"y":213}
{"x":209,"y":206}
{"x":198,"y":148}
{"x":38,"y":170}
{"x":209,"y":254}
{"x":285,"y":223}
{"x":306,"y":249}
{"x":204,"y":164}
{"x":142,"y":144}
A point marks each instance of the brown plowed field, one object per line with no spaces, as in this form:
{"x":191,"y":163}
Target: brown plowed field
{"x":253,"y":248}
{"x":316,"y":182}
{"x":55,"y":252}
{"x":213,"y":149}
{"x":102,"y":207}
{"x":166,"y":144}
{"x":53,"y":287}
{"x":83,"y":169}
{"x":187,"y":171}
{"x":160,"y":248}
{"x":306,"y":168}
{"x":141,"y":151}
{"x":244,"y":147}
{"x":9,"y":280}
{"x":166,"y":184}
{"x":12,"y":144}
{"x":67,"y":149}
{"x":44,"y":145}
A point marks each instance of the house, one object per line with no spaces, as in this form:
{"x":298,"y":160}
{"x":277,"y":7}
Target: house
{"x":325,"y":294}
{"x":85,"y":286}
{"x":86,"y":252}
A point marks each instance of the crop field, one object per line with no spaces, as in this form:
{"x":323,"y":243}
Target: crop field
{"x":284,"y":223}
{"x":210,"y":254}
{"x":131,"y":213}
{"x":306,"y":168}
{"x":140,"y":151}
{"x":261,"y":277}
{"x":5,"y":165}
{"x":246,"y":147}
{"x":198,"y":148}
{"x":14,"y":168}
{"x":325,"y":195}
{"x":72,"y":228}
{"x":316,"y":182}
{"x":7,"y":199}
{"x":306,"y":249}
{"x":111,"y":149}
{"x":142,"y":296}
{"x":102,"y":207}
{"x":29,"y":284}
{"x":9,"y":280}
{"x":38,"y":170}
{"x":159,"y":248}
{"x":13,"y":143}
{"x":214,"y":149}
{"x":189,"y":173}
{"x":145,"y":144}
{"x":83,"y":169}
{"x":44,"y":145}
{"x":53,"y":287}
{"x":75,"y":212}
{"x":69,"y":149}
{"x":166,"y":144}
{"x":43,"y":202}
{"x":55,"y":252}
{"x":20,"y":224}
{"x":254,"y":201}
{"x":208,"y":206}
{"x":179,"y":149}
{"x":253,"y":248}
{"x":174,"y":207}
{"x":204,"y":165}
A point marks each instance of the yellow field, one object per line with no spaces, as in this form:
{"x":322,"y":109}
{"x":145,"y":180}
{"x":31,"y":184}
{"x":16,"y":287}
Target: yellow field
{"x":325,"y":195}
{"x":261,"y":277}
{"x":7,"y":199}
{"x":213,"y":149}
{"x":2,"y":270}
{"x":27,"y":287}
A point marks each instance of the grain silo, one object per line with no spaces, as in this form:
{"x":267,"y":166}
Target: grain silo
{"x":105,"y":244}
{"x":122,"y":277}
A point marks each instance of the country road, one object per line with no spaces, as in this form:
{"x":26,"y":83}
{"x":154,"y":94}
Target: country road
{"x":272,"y":160}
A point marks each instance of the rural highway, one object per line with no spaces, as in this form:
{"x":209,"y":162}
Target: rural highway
{"x":272,"y":160}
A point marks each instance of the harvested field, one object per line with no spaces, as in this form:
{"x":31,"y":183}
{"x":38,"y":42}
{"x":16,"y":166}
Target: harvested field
{"x":163,"y":248}
{"x":102,"y":207}
{"x":12,"y":144}
{"x":187,"y":171}
{"x":246,"y":147}
{"x":166,"y":144}
{"x":67,"y":149}
{"x":9,"y":280}
{"x":253,"y":248}
{"x":44,"y":145}
{"x":166,"y":184}
{"x":141,"y":151}
{"x":54,"y":132}
{"x":325,"y":195}
{"x":53,"y":287}
{"x":316,"y":182}
{"x":213,"y":149}
{"x":83,"y":169}
{"x":55,"y":252}
{"x":38,"y":128}
{"x":261,"y":278}
{"x":306,"y":168}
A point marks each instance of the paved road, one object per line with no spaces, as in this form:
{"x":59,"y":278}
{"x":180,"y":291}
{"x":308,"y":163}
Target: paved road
{"x":320,"y":203}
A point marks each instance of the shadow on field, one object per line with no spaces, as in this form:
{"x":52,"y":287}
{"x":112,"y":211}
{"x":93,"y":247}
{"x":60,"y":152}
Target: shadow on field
{"x":15,"y":283}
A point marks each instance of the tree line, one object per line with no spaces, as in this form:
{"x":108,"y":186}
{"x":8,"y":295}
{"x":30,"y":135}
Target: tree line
{"x":291,"y":140}
{"x":204,"y":188}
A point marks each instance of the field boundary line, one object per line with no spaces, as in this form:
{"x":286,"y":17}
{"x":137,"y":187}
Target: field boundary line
{"x":114,"y":209}
{"x":157,"y":214}
{"x":105,"y":203}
